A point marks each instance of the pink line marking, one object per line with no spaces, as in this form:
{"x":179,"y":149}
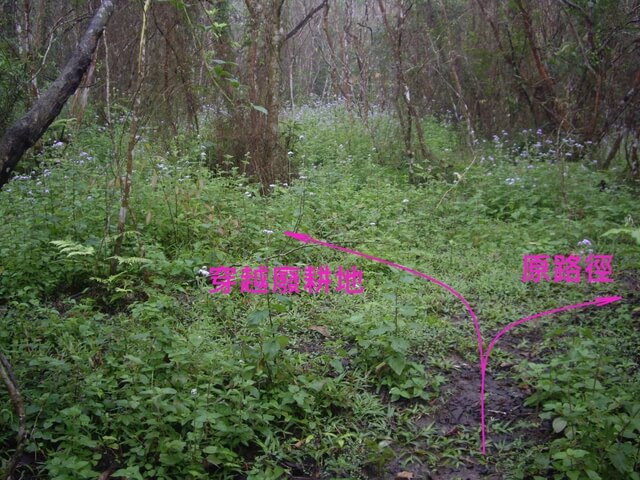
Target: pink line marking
{"x":484,"y":356}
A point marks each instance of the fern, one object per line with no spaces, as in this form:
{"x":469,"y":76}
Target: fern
{"x":130,"y":260}
{"x":73,"y":249}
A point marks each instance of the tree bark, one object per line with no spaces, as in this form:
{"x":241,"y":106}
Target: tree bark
{"x":263,"y":58}
{"x":25,"y":132}
{"x":9,"y":380}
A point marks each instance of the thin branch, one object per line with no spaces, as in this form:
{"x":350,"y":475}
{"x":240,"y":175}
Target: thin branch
{"x":305,"y":20}
{"x":7,"y":376}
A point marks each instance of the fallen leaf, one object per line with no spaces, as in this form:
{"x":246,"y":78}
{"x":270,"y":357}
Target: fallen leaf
{"x":453,"y":431}
{"x":321,"y":330}
{"x":405,"y":475}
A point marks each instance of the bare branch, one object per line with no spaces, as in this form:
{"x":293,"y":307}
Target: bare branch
{"x":305,"y":20}
{"x":9,"y":380}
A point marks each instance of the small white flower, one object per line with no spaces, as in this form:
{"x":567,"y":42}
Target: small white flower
{"x":194,"y":391}
{"x":373,"y":224}
{"x":267,"y":232}
{"x":204,"y":271}
{"x":405,"y":200}
{"x":285,"y":184}
{"x":58,"y":144}
{"x":272,"y":185}
{"x":585,"y":243}
{"x":302,"y":177}
{"x":289,"y":153}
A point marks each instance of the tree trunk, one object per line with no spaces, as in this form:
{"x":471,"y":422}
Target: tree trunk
{"x":25,"y":132}
{"x":267,"y":161}
{"x":402,"y":92}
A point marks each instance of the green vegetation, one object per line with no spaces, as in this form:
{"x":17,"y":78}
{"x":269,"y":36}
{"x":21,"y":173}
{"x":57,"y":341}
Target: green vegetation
{"x":130,"y":361}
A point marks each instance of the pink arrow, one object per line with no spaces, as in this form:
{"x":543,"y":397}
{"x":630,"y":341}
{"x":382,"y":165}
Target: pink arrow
{"x":484,"y":357}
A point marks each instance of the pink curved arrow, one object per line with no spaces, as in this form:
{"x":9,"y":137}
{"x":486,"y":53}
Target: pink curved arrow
{"x":484,"y":356}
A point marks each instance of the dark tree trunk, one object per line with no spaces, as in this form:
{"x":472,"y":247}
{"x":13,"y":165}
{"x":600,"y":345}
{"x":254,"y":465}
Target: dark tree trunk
{"x":25,"y":132}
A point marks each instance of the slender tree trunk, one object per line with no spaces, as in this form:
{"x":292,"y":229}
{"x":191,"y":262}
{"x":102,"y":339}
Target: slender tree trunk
{"x":81,"y":97}
{"x":133,"y":130}
{"x":402,"y":90}
{"x":10,"y":382}
{"x":549,"y":100}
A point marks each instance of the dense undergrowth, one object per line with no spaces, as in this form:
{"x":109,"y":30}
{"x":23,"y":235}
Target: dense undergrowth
{"x":142,"y":370}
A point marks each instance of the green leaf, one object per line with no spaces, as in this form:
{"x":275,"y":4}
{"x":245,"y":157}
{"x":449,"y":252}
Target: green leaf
{"x":256,"y":317}
{"x":271,"y":348}
{"x":397,"y":364}
{"x":260,"y":109}
{"x":337,"y":365}
{"x":407,"y":311}
{"x":129,"y":472}
{"x":573,"y":474}
{"x":559,"y":424}
{"x":381,"y":330}
{"x":134,"y":359}
{"x":621,"y":456}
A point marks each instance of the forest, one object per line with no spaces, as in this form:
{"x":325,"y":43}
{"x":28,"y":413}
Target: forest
{"x":320,"y":239}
